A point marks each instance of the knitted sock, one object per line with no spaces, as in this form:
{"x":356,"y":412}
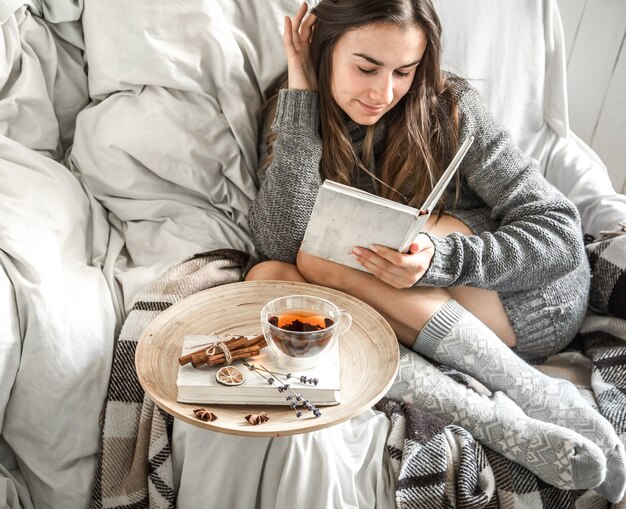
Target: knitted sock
{"x":457,"y":338}
{"x":556,"y":455}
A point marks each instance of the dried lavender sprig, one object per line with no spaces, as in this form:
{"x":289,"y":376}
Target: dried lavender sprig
{"x":303,"y":379}
{"x":271,"y":380}
{"x":299,"y":399}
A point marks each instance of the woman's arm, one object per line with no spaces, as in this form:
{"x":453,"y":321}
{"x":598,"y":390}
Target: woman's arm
{"x":280,"y":213}
{"x":540,"y":238}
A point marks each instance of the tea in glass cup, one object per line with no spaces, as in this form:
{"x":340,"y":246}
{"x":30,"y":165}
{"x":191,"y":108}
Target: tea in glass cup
{"x":300,"y":329}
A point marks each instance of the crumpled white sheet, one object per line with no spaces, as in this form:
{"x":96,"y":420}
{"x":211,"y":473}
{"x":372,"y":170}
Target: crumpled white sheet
{"x":42,"y":78}
{"x":13,"y":490}
{"x":168,"y":145}
{"x":344,"y":466}
{"x":165,"y":145}
{"x":58,"y":335}
{"x":57,"y":320}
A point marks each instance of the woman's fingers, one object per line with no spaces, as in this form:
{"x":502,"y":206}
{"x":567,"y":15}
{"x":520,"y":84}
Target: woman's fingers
{"x":395,"y":257}
{"x":296,"y":39}
{"x":287,"y":38}
{"x":306,"y":31}
{"x":397,"y":269}
{"x":297,"y":25}
{"x":300,"y":13}
{"x":380,"y":267}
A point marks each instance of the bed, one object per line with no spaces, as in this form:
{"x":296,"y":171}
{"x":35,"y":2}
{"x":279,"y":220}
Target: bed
{"x":128,"y":134}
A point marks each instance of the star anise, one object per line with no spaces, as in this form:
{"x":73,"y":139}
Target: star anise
{"x":204,"y":415}
{"x":255,"y":419}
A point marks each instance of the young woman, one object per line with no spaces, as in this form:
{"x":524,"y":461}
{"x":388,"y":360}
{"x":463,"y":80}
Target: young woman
{"x":503,"y":265}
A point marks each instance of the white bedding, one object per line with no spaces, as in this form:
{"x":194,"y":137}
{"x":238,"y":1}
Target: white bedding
{"x":344,"y":466}
{"x":58,"y":327}
{"x":127,"y":144}
{"x":168,"y":146}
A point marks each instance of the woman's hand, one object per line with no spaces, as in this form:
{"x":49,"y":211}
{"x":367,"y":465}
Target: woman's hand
{"x":297,"y":40}
{"x":397,"y":269}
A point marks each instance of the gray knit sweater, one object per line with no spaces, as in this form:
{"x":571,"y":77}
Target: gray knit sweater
{"x":539,"y":234}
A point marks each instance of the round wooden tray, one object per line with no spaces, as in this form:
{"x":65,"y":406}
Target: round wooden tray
{"x":368,"y":354}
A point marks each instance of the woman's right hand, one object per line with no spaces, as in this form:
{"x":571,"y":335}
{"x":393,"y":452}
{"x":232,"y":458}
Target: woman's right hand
{"x":297,"y":41}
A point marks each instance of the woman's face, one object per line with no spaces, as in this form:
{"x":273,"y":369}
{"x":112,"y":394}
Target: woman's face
{"x":373,"y":67}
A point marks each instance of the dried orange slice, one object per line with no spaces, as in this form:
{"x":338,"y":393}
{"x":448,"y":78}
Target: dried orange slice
{"x":230,"y":375}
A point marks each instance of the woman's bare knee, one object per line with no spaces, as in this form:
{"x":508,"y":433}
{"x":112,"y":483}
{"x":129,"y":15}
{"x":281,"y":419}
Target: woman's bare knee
{"x":274,"y":270}
{"x":319,"y":271}
{"x":485,"y":304}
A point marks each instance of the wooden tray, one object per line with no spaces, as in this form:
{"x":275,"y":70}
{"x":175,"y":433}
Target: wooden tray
{"x":368,"y":355}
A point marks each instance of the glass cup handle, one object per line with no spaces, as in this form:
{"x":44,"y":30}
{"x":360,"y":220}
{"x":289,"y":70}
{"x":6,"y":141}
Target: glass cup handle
{"x":346,"y":321}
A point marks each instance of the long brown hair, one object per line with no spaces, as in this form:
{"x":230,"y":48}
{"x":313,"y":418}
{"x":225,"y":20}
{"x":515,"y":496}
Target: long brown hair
{"x":421,"y":130}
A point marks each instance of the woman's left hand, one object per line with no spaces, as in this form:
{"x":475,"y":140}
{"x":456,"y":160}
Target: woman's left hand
{"x":397,"y":269}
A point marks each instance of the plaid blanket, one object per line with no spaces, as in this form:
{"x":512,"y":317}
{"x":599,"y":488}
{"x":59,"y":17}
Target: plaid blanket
{"x":134,"y":465}
{"x":437,"y":464}
{"x":607,"y":258}
{"x":440,"y":465}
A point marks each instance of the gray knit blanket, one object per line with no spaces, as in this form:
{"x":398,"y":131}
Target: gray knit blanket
{"x":437,"y":464}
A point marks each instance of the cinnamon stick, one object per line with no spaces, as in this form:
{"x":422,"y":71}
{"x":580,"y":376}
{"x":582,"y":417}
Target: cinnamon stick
{"x":199,"y":359}
{"x":243,"y":353}
{"x":202,"y":358}
{"x":187,"y":358}
{"x":260,"y":339}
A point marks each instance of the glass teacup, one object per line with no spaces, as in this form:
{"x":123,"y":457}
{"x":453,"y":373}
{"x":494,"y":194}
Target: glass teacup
{"x":301,"y":329}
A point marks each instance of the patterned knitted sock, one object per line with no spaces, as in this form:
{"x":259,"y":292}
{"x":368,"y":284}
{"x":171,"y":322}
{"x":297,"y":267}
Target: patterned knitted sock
{"x":556,"y":455}
{"x":457,"y":338}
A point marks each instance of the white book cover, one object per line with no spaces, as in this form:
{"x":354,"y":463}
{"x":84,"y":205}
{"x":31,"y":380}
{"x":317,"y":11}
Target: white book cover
{"x":199,"y":385}
{"x":344,"y":217}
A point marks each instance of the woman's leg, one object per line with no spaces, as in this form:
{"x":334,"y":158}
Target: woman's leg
{"x":457,"y":338}
{"x":556,"y":455}
{"x":504,"y":428}
{"x":273,"y":270}
{"x":408,"y":310}
{"x":450,"y":334}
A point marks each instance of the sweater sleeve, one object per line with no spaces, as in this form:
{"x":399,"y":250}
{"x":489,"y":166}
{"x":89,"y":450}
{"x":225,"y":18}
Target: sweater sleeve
{"x":279,"y":214}
{"x":540,"y":236}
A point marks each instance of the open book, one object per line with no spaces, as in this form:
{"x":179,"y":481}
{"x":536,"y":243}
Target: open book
{"x":199,"y":385}
{"x":345,"y":217}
